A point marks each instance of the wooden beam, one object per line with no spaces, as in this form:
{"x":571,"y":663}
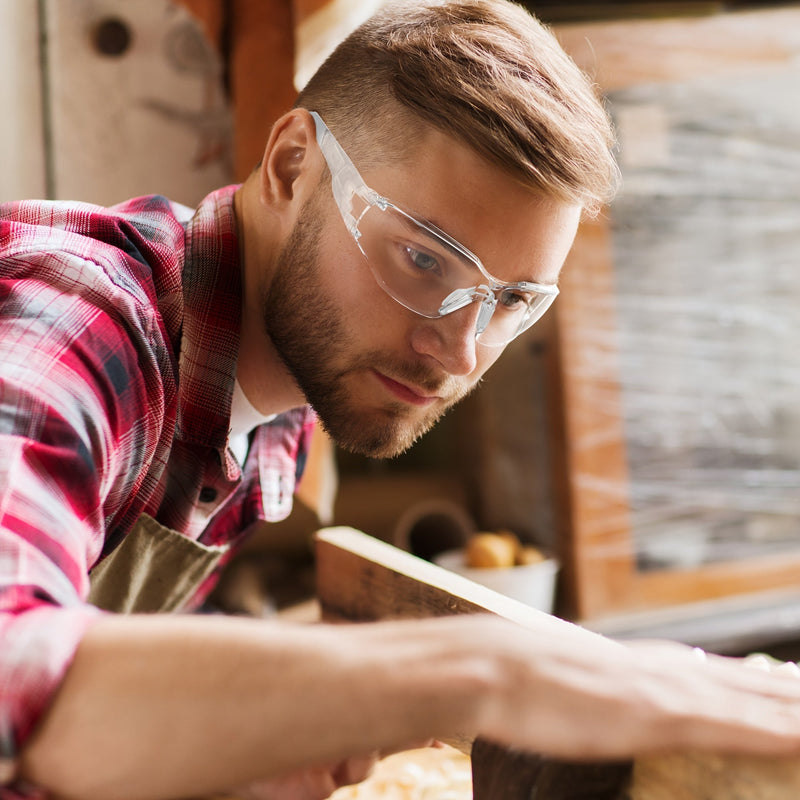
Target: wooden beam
{"x":261,"y":74}
{"x":591,"y":472}
{"x":635,"y":52}
{"x":720,"y":579}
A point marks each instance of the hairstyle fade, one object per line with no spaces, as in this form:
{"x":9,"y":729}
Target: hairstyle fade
{"x":483,"y":71}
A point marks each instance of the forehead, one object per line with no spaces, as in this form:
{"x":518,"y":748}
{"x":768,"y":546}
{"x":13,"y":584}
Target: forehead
{"x":516,"y":233}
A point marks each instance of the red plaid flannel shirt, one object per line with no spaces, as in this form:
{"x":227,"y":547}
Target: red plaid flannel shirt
{"x":119,"y":333}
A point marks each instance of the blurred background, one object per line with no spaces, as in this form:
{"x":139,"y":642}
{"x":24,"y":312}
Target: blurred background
{"x":646,"y":434}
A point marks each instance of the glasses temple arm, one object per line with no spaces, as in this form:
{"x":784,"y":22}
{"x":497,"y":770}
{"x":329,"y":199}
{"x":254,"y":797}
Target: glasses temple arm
{"x":346,"y":183}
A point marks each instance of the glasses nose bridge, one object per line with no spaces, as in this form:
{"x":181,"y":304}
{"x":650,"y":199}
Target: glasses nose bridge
{"x":486,"y":310}
{"x":460,"y":298}
{"x":457,"y":334}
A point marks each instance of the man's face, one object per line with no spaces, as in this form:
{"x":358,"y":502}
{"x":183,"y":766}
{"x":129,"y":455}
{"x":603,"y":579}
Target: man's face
{"x":378,"y":375}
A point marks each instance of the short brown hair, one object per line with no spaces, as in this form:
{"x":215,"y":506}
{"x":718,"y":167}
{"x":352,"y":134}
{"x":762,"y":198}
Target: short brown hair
{"x":483,"y":71}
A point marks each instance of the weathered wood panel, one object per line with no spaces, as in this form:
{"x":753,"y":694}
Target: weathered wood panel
{"x":136,"y":107}
{"x":688,"y":307}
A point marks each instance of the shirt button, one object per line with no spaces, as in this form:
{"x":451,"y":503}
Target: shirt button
{"x":208,"y":494}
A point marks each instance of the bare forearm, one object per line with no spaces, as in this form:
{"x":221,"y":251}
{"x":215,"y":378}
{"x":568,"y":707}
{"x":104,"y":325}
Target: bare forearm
{"x":177,"y":706}
{"x":183,"y":706}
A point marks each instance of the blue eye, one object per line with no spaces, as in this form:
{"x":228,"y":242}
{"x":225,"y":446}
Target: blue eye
{"x":513,"y":300}
{"x":421,"y":260}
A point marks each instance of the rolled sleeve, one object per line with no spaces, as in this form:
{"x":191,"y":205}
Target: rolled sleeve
{"x":39,"y":644}
{"x":71,"y":411}
{"x":43,"y":582}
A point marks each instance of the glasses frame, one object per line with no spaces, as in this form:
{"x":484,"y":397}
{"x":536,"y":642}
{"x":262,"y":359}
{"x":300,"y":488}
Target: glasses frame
{"x":347,"y":185}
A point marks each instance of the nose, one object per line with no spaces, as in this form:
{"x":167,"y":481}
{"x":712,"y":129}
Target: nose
{"x":450,"y":340}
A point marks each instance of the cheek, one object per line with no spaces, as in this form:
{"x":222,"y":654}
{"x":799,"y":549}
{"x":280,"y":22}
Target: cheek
{"x":347,"y":278}
{"x":375,"y":320}
{"x":343,"y":268}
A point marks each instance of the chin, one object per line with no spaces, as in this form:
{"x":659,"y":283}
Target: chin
{"x":383,"y":434}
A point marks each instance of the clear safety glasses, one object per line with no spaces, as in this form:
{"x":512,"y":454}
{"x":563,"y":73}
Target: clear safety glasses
{"x":420,"y":266}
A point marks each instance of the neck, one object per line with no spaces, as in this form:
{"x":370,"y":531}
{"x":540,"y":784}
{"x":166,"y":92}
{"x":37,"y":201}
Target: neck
{"x":260,"y":371}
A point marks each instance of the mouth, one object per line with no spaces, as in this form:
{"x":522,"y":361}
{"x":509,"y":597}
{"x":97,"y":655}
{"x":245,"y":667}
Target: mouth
{"x":404,"y":392}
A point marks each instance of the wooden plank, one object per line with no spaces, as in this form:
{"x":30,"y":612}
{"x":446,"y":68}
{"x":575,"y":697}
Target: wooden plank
{"x":624,"y":9}
{"x":633,"y":52}
{"x":717,"y":580}
{"x":360,"y":578}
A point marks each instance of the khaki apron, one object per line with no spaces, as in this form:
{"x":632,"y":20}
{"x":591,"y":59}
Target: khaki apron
{"x":154,"y":569}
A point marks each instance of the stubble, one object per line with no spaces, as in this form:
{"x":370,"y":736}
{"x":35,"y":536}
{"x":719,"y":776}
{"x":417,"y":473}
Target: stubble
{"x":311,"y":336}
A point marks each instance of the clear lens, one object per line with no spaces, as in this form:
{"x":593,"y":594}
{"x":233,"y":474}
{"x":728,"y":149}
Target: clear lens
{"x":422,"y":269}
{"x":413,"y":265}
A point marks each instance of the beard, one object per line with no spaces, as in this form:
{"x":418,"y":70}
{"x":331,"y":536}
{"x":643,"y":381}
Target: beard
{"x":311,"y":337}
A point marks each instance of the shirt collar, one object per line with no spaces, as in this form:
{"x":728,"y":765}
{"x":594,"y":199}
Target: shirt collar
{"x":212,"y":296}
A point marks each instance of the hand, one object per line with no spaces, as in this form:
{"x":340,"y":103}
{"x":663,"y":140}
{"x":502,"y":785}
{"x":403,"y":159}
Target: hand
{"x":618,"y":700}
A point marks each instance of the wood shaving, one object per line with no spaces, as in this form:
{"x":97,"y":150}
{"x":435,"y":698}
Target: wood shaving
{"x":432,"y":773}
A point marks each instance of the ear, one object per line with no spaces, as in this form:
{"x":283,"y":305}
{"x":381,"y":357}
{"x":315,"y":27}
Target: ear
{"x":291,"y":165}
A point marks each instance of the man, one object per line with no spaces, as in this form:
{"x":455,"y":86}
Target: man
{"x":410,"y":217}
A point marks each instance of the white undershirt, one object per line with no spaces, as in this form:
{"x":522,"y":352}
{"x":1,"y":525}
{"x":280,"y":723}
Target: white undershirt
{"x":244,"y":417}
